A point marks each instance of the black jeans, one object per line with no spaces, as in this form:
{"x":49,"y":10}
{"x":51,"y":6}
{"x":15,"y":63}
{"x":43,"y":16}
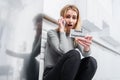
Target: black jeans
{"x":72,"y":67}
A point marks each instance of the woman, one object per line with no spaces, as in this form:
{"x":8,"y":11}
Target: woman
{"x":63,"y":53}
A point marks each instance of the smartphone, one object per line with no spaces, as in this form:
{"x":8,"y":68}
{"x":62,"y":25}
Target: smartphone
{"x":64,"y":23}
{"x":76,"y":33}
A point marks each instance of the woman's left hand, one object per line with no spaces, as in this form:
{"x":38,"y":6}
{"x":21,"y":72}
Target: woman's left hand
{"x":61,"y":24}
{"x":85,"y":42}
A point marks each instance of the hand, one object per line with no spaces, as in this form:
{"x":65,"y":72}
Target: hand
{"x":84,"y":41}
{"x":61,"y":25}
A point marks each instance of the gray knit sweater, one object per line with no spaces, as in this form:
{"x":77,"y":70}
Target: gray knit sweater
{"x":58,"y":43}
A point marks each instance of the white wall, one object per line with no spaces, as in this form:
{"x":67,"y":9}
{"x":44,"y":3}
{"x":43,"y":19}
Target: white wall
{"x":52,"y":8}
{"x":16,"y":17}
{"x":116,"y":20}
{"x":24,"y":27}
{"x":108,"y":64}
{"x":96,"y":11}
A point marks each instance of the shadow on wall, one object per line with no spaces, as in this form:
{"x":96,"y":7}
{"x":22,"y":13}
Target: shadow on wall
{"x":30,"y":69}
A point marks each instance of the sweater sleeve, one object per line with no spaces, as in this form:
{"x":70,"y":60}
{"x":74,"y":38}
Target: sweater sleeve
{"x":58,"y":42}
{"x":84,"y":53}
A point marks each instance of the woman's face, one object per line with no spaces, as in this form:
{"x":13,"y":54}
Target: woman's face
{"x":71,"y":19}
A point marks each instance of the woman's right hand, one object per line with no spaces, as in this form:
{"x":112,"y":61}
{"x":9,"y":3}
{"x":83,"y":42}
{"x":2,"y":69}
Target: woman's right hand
{"x":85,"y":42}
{"x":61,"y":24}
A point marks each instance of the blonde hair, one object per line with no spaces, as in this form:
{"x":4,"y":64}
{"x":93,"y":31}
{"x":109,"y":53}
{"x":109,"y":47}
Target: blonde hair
{"x":72,"y":7}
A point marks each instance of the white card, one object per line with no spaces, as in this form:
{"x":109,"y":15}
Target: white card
{"x":76,"y":33}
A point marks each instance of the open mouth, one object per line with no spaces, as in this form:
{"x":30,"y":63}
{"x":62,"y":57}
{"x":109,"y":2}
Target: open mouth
{"x":70,"y":25}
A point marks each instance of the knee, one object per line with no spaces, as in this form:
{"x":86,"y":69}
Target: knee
{"x":74,"y":54}
{"x":93,"y":62}
{"x":89,"y":62}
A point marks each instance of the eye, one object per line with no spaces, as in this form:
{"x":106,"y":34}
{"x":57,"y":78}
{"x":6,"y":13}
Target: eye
{"x":68,"y":16}
{"x":74,"y":17}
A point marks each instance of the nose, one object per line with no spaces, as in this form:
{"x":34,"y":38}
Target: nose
{"x":71,"y":20}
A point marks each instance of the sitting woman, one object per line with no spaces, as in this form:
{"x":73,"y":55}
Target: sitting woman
{"x":63,"y":54}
